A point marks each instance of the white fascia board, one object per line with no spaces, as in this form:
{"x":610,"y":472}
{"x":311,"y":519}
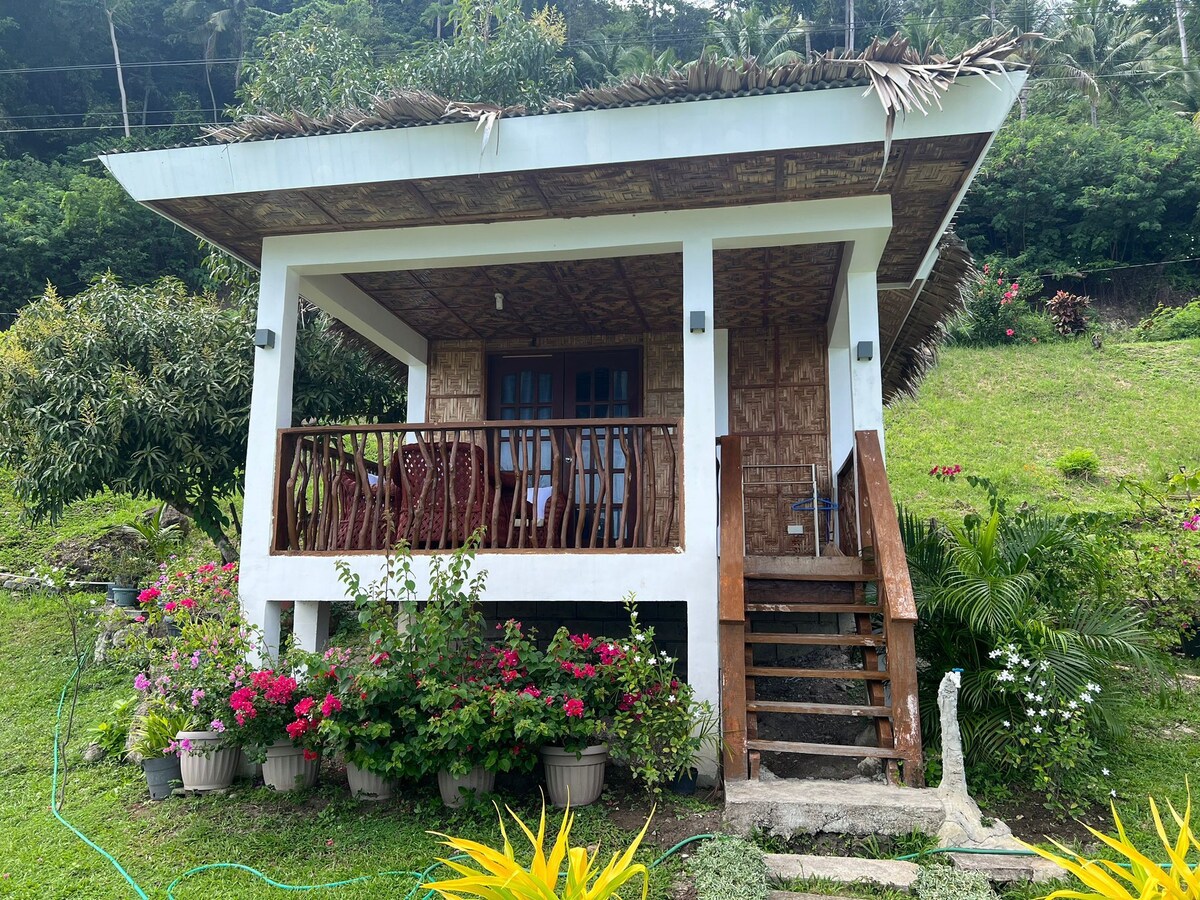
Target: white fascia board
{"x":818,"y":118}
{"x":864,"y":219}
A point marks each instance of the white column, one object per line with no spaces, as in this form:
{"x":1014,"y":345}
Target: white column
{"x":310,"y":626}
{"x":841,"y":402}
{"x":270,"y":410}
{"x":418,"y":392}
{"x":699,"y":467}
{"x":866,"y":378}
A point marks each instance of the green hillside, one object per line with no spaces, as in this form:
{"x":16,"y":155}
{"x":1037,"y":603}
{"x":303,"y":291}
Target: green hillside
{"x":1008,"y":413}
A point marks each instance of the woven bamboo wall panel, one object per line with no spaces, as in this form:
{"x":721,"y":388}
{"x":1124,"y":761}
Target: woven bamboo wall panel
{"x":448,"y":410}
{"x":455,"y":372}
{"x":923,"y":177}
{"x":778,"y":403}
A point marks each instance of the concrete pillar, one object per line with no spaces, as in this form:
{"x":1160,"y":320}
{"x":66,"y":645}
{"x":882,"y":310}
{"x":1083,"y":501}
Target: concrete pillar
{"x":700,"y":515}
{"x":270,"y":410}
{"x":418,"y":391}
{"x":310,"y":626}
{"x":866,"y":378}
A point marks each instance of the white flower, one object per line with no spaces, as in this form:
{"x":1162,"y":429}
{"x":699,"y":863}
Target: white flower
{"x":1026,"y":663}
{"x":637,"y":659}
{"x":1006,"y":676}
{"x":1112,"y":793}
{"x":1030,"y":712}
{"x":1067,"y":716}
{"x":1007,"y":724}
{"x":639,"y":637}
{"x":1085,"y":697}
{"x":995,"y":654}
{"x":1071,"y":704}
{"x":1043,"y":713}
{"x":1042,"y":683}
{"x":1093,"y":687}
{"x":671,"y":699}
{"x":1037,"y":729}
{"x":1043,"y":665}
{"x":1105,"y":772}
{"x":1038,"y":698}
{"x":1028,"y":679}
{"x":1029,"y":696}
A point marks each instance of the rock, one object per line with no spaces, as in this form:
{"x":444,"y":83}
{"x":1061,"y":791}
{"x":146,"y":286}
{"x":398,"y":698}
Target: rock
{"x":172,"y":516}
{"x":871,"y":767}
{"x":83,"y":556}
{"x":93,"y":753}
{"x":1008,"y":869}
{"x":886,"y":873}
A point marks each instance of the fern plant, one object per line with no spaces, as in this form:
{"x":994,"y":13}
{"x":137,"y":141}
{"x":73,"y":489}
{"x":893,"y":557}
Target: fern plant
{"x":1024,"y":579}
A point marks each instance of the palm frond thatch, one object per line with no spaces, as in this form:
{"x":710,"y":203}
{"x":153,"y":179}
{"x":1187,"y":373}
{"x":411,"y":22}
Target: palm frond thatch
{"x":903,"y":79}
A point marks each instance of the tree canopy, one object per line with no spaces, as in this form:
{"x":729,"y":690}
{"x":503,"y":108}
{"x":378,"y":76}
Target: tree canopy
{"x":145,"y":390}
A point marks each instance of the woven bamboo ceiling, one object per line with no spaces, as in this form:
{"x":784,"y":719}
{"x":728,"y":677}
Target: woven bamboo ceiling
{"x":922,"y":176}
{"x":633,"y":294}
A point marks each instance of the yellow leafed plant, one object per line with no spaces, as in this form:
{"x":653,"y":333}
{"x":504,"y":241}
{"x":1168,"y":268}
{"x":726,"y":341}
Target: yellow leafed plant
{"x":1140,"y":878}
{"x":566,"y":873}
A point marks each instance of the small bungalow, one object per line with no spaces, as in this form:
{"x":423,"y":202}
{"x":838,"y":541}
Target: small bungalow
{"x":648,"y":333}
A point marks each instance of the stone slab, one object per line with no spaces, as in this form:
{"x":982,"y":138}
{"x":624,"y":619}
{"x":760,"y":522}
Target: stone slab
{"x":844,"y":870}
{"x":1008,"y":869}
{"x":787,"y":806}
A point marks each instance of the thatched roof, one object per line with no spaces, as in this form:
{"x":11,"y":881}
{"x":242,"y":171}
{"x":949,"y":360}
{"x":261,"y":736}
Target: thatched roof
{"x":904,"y":80}
{"x":918,"y":324}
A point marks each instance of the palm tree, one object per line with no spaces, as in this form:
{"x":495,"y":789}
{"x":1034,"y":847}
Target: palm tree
{"x":599,"y":60}
{"x":1105,"y":55}
{"x":927,"y":36}
{"x":751,"y":34}
{"x":643,"y":61}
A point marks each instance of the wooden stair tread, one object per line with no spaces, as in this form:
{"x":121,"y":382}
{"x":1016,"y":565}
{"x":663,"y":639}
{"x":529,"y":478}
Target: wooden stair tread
{"x":817,"y":709}
{"x":786,"y":607}
{"x":767,"y":575}
{"x":831,"y":674}
{"x":816,"y":640}
{"x":823,"y":749}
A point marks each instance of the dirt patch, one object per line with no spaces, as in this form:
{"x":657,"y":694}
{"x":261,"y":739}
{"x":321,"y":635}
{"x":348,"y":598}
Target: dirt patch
{"x":673,"y":821}
{"x":1031,"y":821}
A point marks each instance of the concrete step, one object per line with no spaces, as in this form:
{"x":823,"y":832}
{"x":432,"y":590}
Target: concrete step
{"x":786,"y":806}
{"x":853,"y":751}
{"x":795,"y":708}
{"x":885,"y":873}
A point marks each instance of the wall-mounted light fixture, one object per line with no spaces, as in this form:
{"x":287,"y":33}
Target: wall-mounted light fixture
{"x":866,"y":351}
{"x":696,"y":321}
{"x":264,"y":338}
{"x":499,"y":300}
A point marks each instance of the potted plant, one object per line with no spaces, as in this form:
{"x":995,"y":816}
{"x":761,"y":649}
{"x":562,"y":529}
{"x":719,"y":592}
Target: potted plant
{"x":127,"y":566}
{"x":564,"y":708}
{"x":658,"y":730}
{"x":277,"y":724}
{"x":154,"y":742}
{"x":374,"y":726}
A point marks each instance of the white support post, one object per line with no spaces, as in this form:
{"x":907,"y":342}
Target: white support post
{"x":699,"y":467}
{"x":866,"y":377}
{"x":418,"y":391}
{"x":270,"y":410}
{"x":310,"y":626}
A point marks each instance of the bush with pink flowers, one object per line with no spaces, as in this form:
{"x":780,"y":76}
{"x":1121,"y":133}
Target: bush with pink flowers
{"x":269,"y":706}
{"x":999,"y":309}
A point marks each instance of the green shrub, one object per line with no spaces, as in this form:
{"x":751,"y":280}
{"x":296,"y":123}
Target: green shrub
{"x":997,"y":311}
{"x":1079,"y":463}
{"x":729,"y":868}
{"x":946,"y":883}
{"x":1171,"y":323}
{"x":1017,"y":600}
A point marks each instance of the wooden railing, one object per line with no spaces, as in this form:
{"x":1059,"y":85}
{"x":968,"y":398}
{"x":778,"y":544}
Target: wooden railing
{"x":547,"y":485}
{"x":731,"y":610}
{"x":879,"y":537}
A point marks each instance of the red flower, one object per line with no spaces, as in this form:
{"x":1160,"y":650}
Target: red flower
{"x":379,"y":659}
{"x":582,"y":641}
{"x":574,"y":709}
{"x":262,"y":680}
{"x":304,"y":707}
{"x":187,"y":603}
{"x":330,"y":705}
{"x":296,"y":729}
{"x":310,"y":755}
{"x":532,"y":691}
{"x":1010,"y":332}
{"x":150,"y":593}
{"x":282,"y":690}
{"x":170,"y":606}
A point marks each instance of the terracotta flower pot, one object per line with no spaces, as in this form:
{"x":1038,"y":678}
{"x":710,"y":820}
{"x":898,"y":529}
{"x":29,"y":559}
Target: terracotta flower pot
{"x":574,"y":778}
{"x":453,"y":787}
{"x":366,"y":785}
{"x":286,"y":769}
{"x":204,"y":764}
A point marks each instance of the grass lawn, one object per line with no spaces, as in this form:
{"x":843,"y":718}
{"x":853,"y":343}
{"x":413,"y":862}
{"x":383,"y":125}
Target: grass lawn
{"x":314,"y":837}
{"x":1008,"y":413}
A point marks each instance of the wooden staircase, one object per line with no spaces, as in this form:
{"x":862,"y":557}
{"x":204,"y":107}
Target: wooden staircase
{"x":774,"y":608}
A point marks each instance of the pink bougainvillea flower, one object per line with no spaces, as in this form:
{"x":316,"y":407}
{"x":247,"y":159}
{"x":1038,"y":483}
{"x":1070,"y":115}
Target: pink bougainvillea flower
{"x":187,"y":603}
{"x":1192,"y":524}
{"x":149,"y":594}
{"x":296,"y":729}
{"x":281,"y":690}
{"x":582,"y":641}
{"x":170,"y":606}
{"x":141,"y":682}
{"x":330,"y":705}
{"x":573,"y":708}
{"x":304,"y":707}
{"x":532,"y":691}
{"x":216,"y":725}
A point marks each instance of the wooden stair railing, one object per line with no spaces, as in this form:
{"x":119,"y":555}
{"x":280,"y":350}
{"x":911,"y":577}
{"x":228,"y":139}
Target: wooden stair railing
{"x":779,"y":588}
{"x":880,"y":527}
{"x":731,"y":605}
